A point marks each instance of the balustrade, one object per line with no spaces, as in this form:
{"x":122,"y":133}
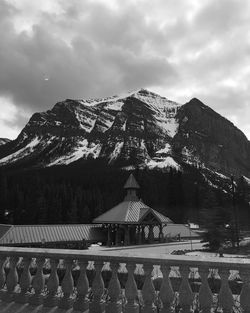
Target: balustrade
{"x":123,"y":290}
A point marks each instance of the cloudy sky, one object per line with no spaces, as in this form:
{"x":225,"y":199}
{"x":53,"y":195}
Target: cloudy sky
{"x":51,"y":50}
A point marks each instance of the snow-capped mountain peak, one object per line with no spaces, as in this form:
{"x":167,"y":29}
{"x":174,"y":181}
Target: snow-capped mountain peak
{"x":138,"y":128}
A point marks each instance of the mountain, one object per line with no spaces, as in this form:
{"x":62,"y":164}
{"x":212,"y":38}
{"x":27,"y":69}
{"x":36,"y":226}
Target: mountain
{"x":139,"y":128}
{"x":3,"y":141}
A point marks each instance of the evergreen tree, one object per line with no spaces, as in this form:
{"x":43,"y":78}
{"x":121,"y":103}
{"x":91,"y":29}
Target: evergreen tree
{"x":215,"y":221}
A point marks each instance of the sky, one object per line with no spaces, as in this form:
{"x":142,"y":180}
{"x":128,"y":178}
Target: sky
{"x":52,"y":50}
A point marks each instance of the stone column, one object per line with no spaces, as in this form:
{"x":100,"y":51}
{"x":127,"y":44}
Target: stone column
{"x":109,"y":236}
{"x":160,"y":233}
{"x":127,"y":237}
{"x":151,"y":234}
{"x":143,"y":234}
{"x":117,"y":236}
{"x":97,"y":304}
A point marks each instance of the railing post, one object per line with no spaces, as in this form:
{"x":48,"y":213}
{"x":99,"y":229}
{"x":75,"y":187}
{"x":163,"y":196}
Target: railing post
{"x":82,"y":303}
{"x":97,"y":305}
{"x":131,"y":292}
{"x":148,"y":290}
{"x":51,"y":299}
{"x":186,"y":296}
{"x":2,"y":275}
{"x":205,"y":293}
{"x":66,"y":302}
{"x":38,"y":283}
{"x":225,"y":295}
{"x":245,"y":291}
{"x":11,"y":281}
{"x":166,"y":292}
{"x":25,"y":282}
{"x":114,"y":291}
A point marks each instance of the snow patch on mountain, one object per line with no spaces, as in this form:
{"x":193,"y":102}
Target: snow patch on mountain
{"x":189,"y":157}
{"x":163,"y":163}
{"x":28,"y":149}
{"x":170,"y":125}
{"x":116,"y":98}
{"x":3,"y":141}
{"x":86,"y":122}
{"x":83,"y":150}
{"x":155,"y":101}
{"x":221,"y":175}
{"x":247,"y":180}
{"x":116,"y":152}
{"x":166,"y":150}
{"x":114,"y":106}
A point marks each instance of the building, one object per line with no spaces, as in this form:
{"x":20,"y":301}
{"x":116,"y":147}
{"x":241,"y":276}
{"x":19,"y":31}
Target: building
{"x":132,"y":221}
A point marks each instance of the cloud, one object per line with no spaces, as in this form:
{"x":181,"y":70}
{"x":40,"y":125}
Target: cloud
{"x":77,"y":49}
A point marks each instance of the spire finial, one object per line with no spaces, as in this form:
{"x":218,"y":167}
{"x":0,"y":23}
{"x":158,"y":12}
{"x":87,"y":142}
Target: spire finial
{"x":131,"y":186}
{"x":131,"y":183}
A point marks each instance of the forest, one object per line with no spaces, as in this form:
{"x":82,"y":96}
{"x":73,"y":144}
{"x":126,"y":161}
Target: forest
{"x":80,"y":192}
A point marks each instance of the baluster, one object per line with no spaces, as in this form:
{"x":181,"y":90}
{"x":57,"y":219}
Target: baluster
{"x":131,"y":292}
{"x":97,"y":305}
{"x":148,"y":290}
{"x":185,"y":292}
{"x":245,"y":291}
{"x":114,"y":291}
{"x":2,"y":275}
{"x":25,"y":282}
{"x":11,"y":281}
{"x":166,"y":292}
{"x":225,"y":295}
{"x":66,"y":301}
{"x":205,"y":293}
{"x":82,"y":303}
{"x":38,"y":283}
{"x":51,"y":299}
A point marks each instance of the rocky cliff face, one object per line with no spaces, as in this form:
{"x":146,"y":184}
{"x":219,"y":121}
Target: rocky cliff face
{"x":140,"y":128}
{"x":207,"y":138}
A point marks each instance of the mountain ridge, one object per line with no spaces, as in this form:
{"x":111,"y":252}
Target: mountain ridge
{"x":138,"y":128}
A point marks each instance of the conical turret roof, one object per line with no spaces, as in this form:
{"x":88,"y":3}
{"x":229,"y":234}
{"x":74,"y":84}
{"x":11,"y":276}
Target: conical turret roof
{"x":131,"y":183}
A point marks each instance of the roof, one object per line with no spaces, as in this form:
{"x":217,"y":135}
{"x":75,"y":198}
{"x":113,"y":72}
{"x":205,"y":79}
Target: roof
{"x":31,"y":234}
{"x":4,"y":228}
{"x":131,"y":183}
{"x":130,"y":212}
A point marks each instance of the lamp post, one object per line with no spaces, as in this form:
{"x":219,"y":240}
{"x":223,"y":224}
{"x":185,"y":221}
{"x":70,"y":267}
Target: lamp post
{"x":236,"y":226}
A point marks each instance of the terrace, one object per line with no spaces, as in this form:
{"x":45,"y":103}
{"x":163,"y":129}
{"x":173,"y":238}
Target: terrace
{"x":120,"y":280}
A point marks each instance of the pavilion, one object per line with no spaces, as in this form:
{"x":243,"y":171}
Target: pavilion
{"x":132,"y":221}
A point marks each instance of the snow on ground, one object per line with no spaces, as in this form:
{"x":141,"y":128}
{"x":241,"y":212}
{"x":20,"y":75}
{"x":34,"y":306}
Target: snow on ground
{"x":21,"y":153}
{"x":163,"y":163}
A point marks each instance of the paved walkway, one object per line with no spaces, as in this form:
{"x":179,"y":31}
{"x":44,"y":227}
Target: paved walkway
{"x":164,"y":248}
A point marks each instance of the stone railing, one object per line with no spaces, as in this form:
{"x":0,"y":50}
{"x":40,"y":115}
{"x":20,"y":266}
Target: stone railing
{"x":113,"y":282}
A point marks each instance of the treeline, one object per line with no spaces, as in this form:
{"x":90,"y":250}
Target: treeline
{"x":79,"y":193}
